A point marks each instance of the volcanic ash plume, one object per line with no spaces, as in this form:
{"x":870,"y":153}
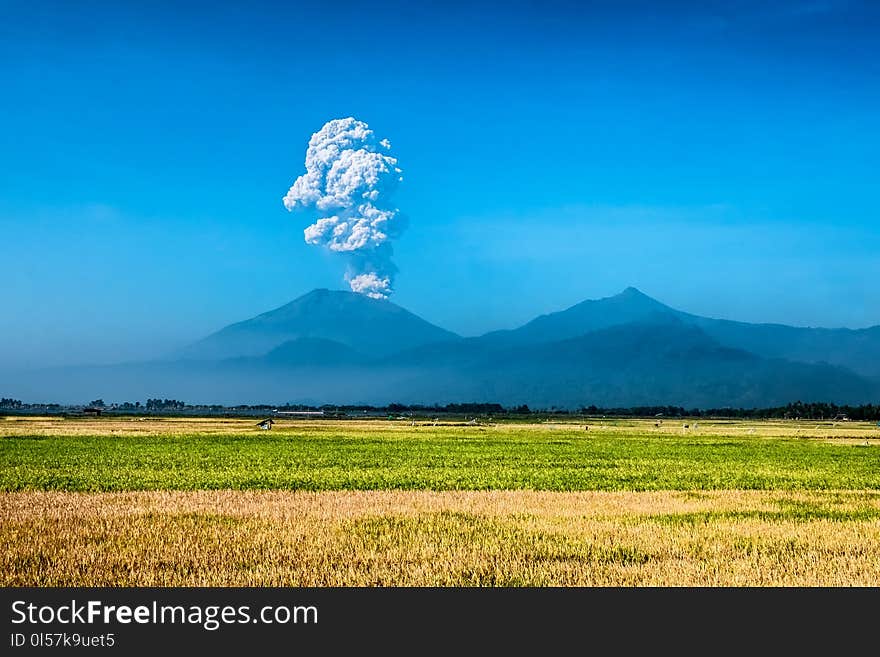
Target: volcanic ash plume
{"x":348,"y":184}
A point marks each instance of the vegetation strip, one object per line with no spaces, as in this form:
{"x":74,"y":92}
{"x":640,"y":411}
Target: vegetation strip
{"x":481,"y":538}
{"x":608,"y":455}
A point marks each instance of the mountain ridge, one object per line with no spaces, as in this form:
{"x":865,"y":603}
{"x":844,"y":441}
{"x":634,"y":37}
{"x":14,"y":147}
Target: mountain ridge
{"x":625,"y":350}
{"x":857,"y":349}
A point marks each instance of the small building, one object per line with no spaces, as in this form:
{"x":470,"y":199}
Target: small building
{"x":92,"y":410}
{"x":266,"y":424}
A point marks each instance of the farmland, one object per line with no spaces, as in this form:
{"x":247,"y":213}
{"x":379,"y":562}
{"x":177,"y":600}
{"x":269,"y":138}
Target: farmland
{"x":120,"y":455}
{"x":127,"y":501}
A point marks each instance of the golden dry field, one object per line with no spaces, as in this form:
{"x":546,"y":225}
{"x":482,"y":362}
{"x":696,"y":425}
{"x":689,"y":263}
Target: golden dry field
{"x":421,"y":538}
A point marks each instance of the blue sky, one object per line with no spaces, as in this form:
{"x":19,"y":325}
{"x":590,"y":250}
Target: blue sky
{"x":722,"y":157}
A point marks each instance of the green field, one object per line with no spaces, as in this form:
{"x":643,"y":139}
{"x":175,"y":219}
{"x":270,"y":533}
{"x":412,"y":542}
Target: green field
{"x":634,"y":456}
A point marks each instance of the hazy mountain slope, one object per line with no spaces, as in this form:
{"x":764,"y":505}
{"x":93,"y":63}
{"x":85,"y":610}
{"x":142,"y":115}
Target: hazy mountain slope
{"x":312,"y":352}
{"x":656,"y":362}
{"x":858,"y":350}
{"x":627,"y":350}
{"x":590,"y":315}
{"x":370,"y":326}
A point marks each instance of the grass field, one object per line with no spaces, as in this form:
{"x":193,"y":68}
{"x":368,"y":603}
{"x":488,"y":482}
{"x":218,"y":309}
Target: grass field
{"x":114,"y":455}
{"x":217,"y":502}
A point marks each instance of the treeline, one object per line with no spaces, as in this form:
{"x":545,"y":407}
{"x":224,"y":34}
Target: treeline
{"x":471,"y":408}
{"x":165,"y":405}
{"x":793,"y":411}
{"x":9,"y":404}
{"x":808,"y":411}
{"x":150,"y":405}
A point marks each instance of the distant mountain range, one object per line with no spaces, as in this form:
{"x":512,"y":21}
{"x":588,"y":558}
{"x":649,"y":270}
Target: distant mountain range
{"x":370,"y":326}
{"x":625,"y":350}
{"x":858,"y":350}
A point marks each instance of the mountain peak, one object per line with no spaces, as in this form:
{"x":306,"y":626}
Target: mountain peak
{"x":324,"y":300}
{"x":323,"y":293}
{"x":630,"y":305}
{"x":632,"y":294}
{"x":374,"y":327}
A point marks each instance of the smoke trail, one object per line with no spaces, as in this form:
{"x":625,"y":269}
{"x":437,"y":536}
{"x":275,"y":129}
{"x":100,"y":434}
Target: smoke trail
{"x":348,"y":184}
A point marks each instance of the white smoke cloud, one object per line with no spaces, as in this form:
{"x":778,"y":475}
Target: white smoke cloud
{"x":348,"y":184}
{"x":371,"y":285}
